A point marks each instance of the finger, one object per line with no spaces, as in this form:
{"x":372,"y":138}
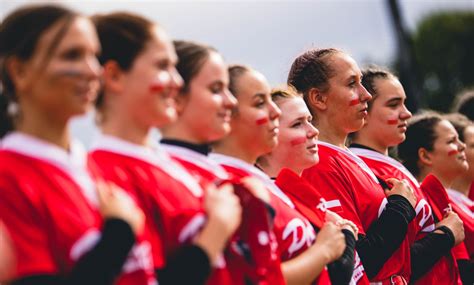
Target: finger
{"x":226,"y":187}
{"x":392,"y":180}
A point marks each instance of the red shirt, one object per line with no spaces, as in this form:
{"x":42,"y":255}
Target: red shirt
{"x":168,"y":195}
{"x":352,"y":190}
{"x":255,"y":231}
{"x":49,"y":206}
{"x":464,"y":207}
{"x":294,"y":233}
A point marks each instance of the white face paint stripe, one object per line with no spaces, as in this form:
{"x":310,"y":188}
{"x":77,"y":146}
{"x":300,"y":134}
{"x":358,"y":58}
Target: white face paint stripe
{"x":332,"y":204}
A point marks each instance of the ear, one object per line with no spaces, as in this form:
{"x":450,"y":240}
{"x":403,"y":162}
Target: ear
{"x":317,"y":99}
{"x":113,"y":77}
{"x":424,"y":156}
{"x":18,"y":72}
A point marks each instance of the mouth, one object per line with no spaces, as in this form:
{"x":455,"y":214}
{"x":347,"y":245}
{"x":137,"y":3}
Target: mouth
{"x":274,"y":131}
{"x":226,"y":115}
{"x":313,"y":148}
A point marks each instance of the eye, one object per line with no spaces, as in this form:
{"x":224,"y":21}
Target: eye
{"x":296,"y":124}
{"x":72,"y":54}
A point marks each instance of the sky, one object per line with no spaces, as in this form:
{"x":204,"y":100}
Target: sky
{"x":268,"y":35}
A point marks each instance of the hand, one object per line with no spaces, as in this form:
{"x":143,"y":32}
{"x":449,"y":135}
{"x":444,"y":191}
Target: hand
{"x":257,"y":188}
{"x":7,"y":255}
{"x":224,"y":214}
{"x":342,"y":223}
{"x":403,"y":188}
{"x":223,"y":208}
{"x":455,"y":224}
{"x":331,"y":241}
{"x":114,"y":202}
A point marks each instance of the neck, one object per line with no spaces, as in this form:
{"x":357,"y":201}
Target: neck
{"x":462,"y":184}
{"x":446,"y":180}
{"x":180,"y":131}
{"x":363,"y":139}
{"x":231,"y":148}
{"x":272,"y":167}
{"x":44,"y":125}
{"x":126,"y":128}
{"x":329,"y":134}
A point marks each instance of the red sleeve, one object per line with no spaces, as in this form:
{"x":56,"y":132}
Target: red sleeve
{"x":337,"y":192}
{"x":20,"y":210}
{"x":460,"y":251}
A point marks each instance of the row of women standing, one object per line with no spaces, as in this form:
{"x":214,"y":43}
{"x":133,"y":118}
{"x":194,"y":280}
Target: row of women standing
{"x":270,"y":205}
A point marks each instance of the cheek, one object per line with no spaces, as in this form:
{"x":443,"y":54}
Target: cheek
{"x":160,"y":82}
{"x":452,"y":152}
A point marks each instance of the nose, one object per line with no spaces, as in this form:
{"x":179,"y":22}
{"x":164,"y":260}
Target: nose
{"x":312,"y":131}
{"x":364,"y":94}
{"x":176,"y":79}
{"x":275,"y":112}
{"x":405,"y":114}
{"x":230,"y":102}
{"x":461,"y":145}
{"x":93,"y":69}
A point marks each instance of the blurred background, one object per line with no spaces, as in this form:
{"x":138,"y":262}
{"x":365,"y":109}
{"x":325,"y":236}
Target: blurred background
{"x":428,"y":43}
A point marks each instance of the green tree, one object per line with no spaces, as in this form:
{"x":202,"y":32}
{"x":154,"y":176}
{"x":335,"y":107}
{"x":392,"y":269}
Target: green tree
{"x":444,"y":51}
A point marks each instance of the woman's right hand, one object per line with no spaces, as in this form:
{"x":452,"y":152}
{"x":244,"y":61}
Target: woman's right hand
{"x":114,"y":202}
{"x":403,"y":188}
{"x":331,"y":241}
{"x":223,"y":208}
{"x":224,"y":214}
{"x":455,"y":224}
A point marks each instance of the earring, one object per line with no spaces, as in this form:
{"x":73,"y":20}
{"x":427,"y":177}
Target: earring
{"x":13,"y":109}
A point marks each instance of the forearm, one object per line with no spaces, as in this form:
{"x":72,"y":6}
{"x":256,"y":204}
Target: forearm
{"x":341,"y":270}
{"x":385,"y":234}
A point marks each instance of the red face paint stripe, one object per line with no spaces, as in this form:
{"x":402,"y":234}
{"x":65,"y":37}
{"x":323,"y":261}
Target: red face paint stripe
{"x":298,"y":141}
{"x":452,"y":152}
{"x":354,"y":102}
{"x":261,"y":121}
{"x":392,"y":122}
{"x":156,"y":87}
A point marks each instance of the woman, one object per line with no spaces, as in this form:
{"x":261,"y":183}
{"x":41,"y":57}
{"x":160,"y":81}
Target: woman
{"x":330,"y":81}
{"x":385,"y":127}
{"x":204,"y":106}
{"x":63,"y":231}
{"x":255,"y":132}
{"x":459,"y":191}
{"x":433,"y":147}
{"x":140,"y":83}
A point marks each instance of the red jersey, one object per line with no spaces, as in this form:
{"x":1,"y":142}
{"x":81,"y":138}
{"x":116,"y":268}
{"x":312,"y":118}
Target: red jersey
{"x":352,"y":190}
{"x":294,"y":233}
{"x":49,"y":206}
{"x":464,"y":207}
{"x":255,"y":231}
{"x":168,"y":195}
{"x":385,"y":166}
{"x":439,"y":202}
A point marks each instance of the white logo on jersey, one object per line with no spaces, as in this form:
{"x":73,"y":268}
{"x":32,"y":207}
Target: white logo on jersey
{"x":426,"y":216}
{"x":84,"y":244}
{"x":382,"y":206}
{"x":192,"y":228}
{"x":323,"y":205}
{"x":139,"y":257}
{"x":358,"y":270}
{"x":307,"y":235}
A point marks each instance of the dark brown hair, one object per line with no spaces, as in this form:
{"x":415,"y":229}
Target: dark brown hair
{"x":20,"y":32}
{"x":420,"y":134}
{"x":312,"y":69}
{"x":460,"y":123}
{"x":123,"y":37}
{"x":369,"y":75}
{"x":464,"y":104}
{"x":235,"y":72}
{"x":191,"y":58}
